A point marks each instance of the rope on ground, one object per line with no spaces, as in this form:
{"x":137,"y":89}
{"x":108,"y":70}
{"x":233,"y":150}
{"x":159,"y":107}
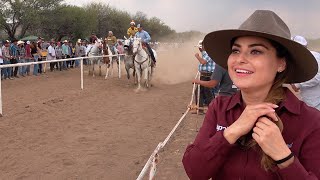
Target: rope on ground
{"x":154,"y":158}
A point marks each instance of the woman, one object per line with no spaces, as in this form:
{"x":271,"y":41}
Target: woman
{"x":263,"y":131}
{"x":40,"y":56}
{"x":35,"y":55}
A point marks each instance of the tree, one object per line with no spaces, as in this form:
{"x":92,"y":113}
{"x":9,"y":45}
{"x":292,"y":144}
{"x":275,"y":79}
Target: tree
{"x":22,"y":14}
{"x":109,"y":19}
{"x":71,"y":21}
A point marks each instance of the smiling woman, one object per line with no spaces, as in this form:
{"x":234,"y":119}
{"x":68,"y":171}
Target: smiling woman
{"x":260,"y":138}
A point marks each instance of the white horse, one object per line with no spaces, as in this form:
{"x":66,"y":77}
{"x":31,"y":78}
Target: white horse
{"x":109,"y":60}
{"x":95,"y":50}
{"x":128,"y":59}
{"x":142,"y":63}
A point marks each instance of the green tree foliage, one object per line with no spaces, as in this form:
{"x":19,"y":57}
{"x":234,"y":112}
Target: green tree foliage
{"x":70,"y":21}
{"x":52,"y":19}
{"x":109,"y":19}
{"x":22,"y":14}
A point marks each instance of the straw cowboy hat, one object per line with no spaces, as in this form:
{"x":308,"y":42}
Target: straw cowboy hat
{"x":266,"y":24}
{"x":20,"y":42}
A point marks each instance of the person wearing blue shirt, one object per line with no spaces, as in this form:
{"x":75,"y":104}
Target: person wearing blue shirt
{"x":206,"y":68}
{"x":14,"y":54}
{"x":145,"y":38}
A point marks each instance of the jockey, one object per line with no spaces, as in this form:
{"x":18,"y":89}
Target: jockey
{"x":111,"y":40}
{"x":132,"y":29}
{"x":145,"y":39}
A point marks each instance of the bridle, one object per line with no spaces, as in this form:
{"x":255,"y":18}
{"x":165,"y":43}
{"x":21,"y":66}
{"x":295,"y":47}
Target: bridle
{"x":137,"y":54}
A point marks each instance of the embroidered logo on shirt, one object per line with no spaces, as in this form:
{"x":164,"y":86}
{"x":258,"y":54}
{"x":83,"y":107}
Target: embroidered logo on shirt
{"x":220,"y":128}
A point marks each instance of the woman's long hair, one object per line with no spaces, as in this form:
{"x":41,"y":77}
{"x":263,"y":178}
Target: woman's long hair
{"x":275,"y":96}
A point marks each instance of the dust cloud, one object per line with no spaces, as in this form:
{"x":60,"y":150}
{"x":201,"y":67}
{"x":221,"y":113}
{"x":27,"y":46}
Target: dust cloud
{"x":176,"y":64}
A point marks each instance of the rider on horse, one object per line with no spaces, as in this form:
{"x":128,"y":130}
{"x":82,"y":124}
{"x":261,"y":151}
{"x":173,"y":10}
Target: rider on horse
{"x":111,"y":40}
{"x":132,"y":29}
{"x":145,"y":39}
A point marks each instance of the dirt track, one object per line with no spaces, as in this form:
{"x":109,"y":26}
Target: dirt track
{"x":53,"y":130}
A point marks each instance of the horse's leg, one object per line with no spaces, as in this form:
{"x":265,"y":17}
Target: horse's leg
{"x":146,"y":76}
{"x":99,"y":63}
{"x":138,"y":75}
{"x":93,"y":63}
{"x":128,"y":71}
{"x":107,"y":69}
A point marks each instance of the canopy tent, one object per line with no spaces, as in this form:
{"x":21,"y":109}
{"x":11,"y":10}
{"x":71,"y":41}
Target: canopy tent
{"x":30,"y":38}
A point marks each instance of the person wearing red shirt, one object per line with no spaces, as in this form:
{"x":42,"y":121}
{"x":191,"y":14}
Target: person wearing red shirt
{"x":263,"y":131}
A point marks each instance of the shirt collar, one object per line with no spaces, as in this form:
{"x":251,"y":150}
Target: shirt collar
{"x":290,"y":103}
{"x":235,"y":99}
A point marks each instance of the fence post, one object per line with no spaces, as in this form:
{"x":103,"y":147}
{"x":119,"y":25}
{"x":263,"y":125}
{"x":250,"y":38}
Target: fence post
{"x":1,"y":94}
{"x":119,"y":66}
{"x":81,"y":67}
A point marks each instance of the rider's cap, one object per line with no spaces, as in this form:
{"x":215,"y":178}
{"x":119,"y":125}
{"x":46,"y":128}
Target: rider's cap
{"x":132,"y":23}
{"x":199,"y":45}
{"x":139,"y":26}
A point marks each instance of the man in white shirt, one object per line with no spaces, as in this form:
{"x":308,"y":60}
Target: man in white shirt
{"x":309,"y":90}
{"x":51,"y":54}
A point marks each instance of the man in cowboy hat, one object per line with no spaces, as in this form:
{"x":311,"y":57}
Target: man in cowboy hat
{"x":21,"y":57}
{"x":111,"y":40}
{"x":206,"y":68}
{"x":66,"y":53}
{"x":263,"y":130}
{"x":145,"y":39}
{"x":132,"y":30}
{"x":310,"y":90}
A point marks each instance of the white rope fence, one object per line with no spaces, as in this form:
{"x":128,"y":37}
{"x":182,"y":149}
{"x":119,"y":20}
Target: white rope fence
{"x":153,"y":159}
{"x":58,"y":60}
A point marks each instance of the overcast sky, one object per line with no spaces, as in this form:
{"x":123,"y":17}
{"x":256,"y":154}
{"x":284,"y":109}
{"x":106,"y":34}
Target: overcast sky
{"x":302,"y":16}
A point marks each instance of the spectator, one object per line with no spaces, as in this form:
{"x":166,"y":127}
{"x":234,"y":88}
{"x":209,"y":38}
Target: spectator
{"x":220,"y":77}
{"x":22,"y":58}
{"x":14,"y":56}
{"x":6,"y":60}
{"x":51,"y":55}
{"x":28,"y":56}
{"x":310,"y":90}
{"x":206,"y":68}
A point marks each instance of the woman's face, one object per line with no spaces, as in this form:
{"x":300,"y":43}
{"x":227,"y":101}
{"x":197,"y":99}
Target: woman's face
{"x":253,"y":63}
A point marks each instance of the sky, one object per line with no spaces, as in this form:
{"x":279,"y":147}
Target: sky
{"x":301,"y":16}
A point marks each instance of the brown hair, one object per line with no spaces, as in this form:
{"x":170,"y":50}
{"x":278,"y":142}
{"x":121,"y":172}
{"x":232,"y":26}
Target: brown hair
{"x":275,"y":96}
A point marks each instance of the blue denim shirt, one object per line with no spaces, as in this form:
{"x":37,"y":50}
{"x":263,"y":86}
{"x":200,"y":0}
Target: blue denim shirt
{"x":144,"y":35}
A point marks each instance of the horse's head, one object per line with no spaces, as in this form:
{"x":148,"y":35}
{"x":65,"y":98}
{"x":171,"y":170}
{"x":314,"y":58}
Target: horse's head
{"x":98,"y":43}
{"x":137,"y":45}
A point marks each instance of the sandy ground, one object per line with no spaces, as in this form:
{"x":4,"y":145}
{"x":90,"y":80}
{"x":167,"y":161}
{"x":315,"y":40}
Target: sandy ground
{"x":53,"y":130}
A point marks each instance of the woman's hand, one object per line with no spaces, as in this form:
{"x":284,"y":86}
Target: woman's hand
{"x":247,"y":120}
{"x":267,"y":134}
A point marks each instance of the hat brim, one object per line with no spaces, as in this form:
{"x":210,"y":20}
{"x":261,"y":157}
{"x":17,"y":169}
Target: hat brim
{"x":218,"y":47}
